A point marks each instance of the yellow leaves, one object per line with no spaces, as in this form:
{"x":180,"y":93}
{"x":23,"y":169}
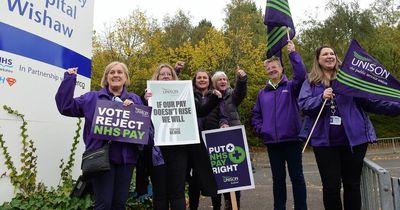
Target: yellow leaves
{"x":210,"y":52}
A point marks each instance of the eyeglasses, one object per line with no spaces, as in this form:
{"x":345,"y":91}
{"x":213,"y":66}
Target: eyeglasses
{"x":165,"y":74}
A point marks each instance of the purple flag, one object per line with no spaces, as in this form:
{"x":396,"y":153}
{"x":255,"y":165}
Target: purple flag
{"x":361,"y":75}
{"x":115,"y":122}
{"x":278,"y":20}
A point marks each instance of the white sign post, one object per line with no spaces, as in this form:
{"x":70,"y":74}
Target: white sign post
{"x":38,"y":41}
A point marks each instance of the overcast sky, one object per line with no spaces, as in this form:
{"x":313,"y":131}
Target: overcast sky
{"x":107,"y":11}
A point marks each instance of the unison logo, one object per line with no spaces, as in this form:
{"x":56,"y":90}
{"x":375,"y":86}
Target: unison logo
{"x":142,"y":112}
{"x":367,"y":65}
{"x":230,"y":178}
{"x":169,"y":91}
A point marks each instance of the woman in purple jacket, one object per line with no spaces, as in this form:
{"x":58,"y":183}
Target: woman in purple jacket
{"x":276,"y":117}
{"x":342,"y":133}
{"x":110,"y":188}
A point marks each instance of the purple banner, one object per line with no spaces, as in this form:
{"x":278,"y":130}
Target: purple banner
{"x":278,"y":20}
{"x":229,"y":157}
{"x":361,"y":75}
{"x":115,"y":122}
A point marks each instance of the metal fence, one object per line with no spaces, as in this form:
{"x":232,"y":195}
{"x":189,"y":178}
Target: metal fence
{"x":378,"y":190}
{"x":385,"y":145}
{"x":396,"y":192}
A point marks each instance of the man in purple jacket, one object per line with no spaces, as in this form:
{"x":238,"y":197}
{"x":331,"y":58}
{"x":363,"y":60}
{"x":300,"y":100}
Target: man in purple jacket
{"x":276,"y":117}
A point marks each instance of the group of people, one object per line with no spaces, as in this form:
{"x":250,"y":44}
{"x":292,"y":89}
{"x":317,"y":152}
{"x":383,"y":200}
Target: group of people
{"x":169,"y":167}
{"x":339,"y":141}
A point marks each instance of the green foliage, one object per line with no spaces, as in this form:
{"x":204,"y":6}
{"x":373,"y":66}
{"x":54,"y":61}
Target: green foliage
{"x":138,"y":204}
{"x":66,"y":177}
{"x":200,"y":31}
{"x":25,"y":180}
{"x":48,"y":199}
{"x":37,"y":196}
{"x":242,"y":41}
{"x":177,"y":30}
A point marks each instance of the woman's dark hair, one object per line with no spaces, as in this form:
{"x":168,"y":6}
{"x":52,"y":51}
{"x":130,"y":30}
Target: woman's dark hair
{"x":195,"y":75}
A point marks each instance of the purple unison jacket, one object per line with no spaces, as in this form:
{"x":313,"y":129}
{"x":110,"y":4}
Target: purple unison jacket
{"x":276,"y":115}
{"x":356,"y":123}
{"x":84,"y":106}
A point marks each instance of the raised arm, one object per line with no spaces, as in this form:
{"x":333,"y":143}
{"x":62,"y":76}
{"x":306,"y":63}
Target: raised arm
{"x":240,"y":91}
{"x":299,"y":69}
{"x":66,"y":104}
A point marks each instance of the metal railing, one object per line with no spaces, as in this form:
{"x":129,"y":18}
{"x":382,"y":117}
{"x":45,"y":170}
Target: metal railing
{"x":378,"y":190}
{"x":385,"y":145}
{"x":396,"y":192}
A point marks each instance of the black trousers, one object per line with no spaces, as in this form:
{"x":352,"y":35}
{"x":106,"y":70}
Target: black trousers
{"x":175,"y":158}
{"x":158,"y":175}
{"x":201,"y":178}
{"x":341,"y":164}
{"x":143,"y":169}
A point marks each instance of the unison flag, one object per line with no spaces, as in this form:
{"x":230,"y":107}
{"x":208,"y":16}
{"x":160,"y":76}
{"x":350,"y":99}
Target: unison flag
{"x":278,"y":20}
{"x":361,"y":75}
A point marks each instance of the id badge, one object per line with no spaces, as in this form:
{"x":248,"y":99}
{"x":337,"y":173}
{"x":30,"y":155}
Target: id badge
{"x":335,"y":120}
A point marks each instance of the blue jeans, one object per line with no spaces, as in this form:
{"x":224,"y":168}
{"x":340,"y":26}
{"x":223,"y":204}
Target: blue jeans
{"x":279,"y":154}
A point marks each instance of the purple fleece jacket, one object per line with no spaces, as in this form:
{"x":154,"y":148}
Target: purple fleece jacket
{"x":276,"y":114}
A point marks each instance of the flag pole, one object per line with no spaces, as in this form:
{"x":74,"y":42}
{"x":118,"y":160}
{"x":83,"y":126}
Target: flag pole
{"x":288,"y":35}
{"x":315,"y":123}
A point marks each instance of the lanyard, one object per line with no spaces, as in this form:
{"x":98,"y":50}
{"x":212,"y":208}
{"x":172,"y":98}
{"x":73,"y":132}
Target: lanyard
{"x":333,"y":106}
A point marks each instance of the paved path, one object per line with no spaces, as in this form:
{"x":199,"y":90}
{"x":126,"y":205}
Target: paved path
{"x":261,"y":197}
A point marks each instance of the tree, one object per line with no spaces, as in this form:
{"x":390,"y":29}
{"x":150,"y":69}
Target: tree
{"x":387,"y":12}
{"x":128,"y":35}
{"x":177,"y":30}
{"x":210,"y":53}
{"x":347,"y":21}
{"x":200,"y":31}
{"x":243,"y":15}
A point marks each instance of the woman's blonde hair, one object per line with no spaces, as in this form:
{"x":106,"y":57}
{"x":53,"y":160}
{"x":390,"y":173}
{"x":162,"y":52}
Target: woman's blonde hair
{"x":104,"y":82}
{"x":316,"y":74}
{"x":156,"y":73}
{"x":217,"y":75}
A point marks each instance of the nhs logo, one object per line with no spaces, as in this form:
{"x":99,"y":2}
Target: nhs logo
{"x":6,"y":64}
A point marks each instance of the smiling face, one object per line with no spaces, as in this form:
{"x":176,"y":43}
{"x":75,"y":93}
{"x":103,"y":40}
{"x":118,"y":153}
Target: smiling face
{"x":202,"y":81}
{"x":274,"y":70}
{"x":222,"y":83}
{"x":327,"y":59}
{"x":165,"y":74}
{"x":116,"y":77}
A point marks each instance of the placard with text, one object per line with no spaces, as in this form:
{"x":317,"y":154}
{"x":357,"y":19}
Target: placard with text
{"x":174,"y":112}
{"x":115,"y":122}
{"x":229,"y":157}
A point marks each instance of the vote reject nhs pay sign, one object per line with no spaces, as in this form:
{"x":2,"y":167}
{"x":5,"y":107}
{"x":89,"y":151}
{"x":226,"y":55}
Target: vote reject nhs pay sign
{"x":115,"y":122}
{"x":229,"y":157}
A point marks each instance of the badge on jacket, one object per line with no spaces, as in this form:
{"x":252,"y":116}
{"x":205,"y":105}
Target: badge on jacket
{"x":335,"y":120}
